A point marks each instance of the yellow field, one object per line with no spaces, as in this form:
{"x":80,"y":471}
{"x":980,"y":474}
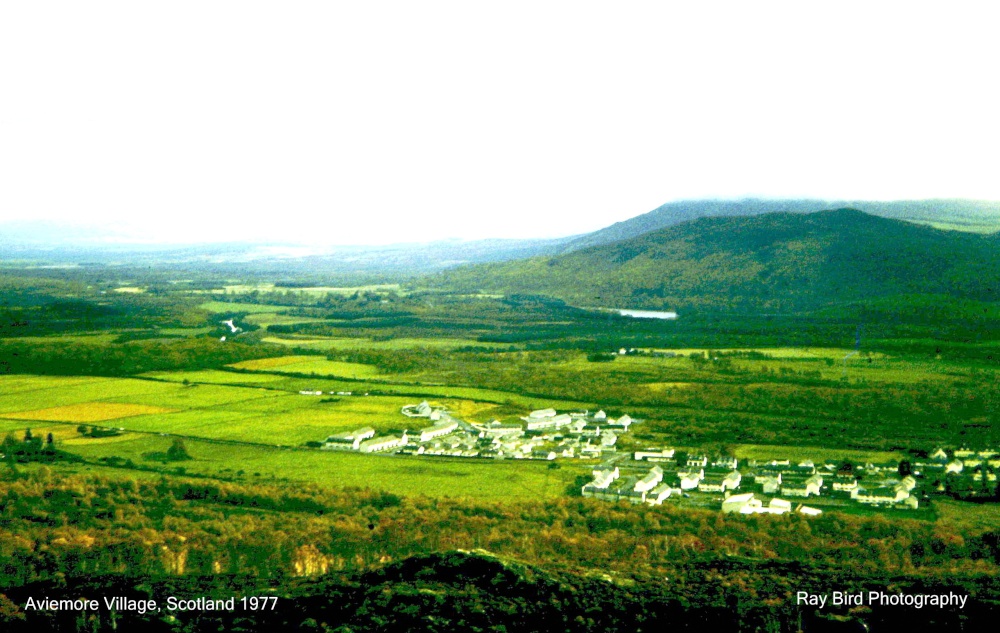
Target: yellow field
{"x":814,"y":453}
{"x":330,"y":343}
{"x":472,"y":411}
{"x":660,"y":387}
{"x":271,"y":363}
{"x":87,"y":412}
{"x":309,"y":365}
{"x":835,"y":353}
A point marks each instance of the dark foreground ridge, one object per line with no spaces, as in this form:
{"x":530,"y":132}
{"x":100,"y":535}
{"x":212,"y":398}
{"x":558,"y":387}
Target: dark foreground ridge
{"x":476,"y":591}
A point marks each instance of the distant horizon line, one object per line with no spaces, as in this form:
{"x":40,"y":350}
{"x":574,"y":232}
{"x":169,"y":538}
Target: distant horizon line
{"x":96,"y":239}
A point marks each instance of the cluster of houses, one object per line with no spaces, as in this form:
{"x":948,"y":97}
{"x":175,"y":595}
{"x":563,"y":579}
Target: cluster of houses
{"x":961,"y":472}
{"x":782,"y":486}
{"x":544,"y":434}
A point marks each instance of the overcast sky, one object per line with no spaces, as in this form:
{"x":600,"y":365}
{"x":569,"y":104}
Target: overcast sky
{"x":374,"y":122}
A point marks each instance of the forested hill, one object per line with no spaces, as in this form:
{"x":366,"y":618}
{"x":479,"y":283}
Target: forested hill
{"x":780,"y":261}
{"x":959,"y":214}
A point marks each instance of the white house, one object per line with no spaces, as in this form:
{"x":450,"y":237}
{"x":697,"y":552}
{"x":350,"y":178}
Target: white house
{"x":658,"y":494}
{"x":654,"y":455}
{"x":444,"y":428}
{"x":625,"y":421}
{"x":378,"y":444}
{"x":736,"y":503}
{"x":652,"y":478}
{"x":349,"y":441}
{"x":547,"y":422}
{"x":603,"y":478}
{"x":542,"y":413}
{"x":811,"y":486}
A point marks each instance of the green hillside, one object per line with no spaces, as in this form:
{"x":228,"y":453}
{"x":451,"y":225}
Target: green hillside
{"x":976,"y":216}
{"x":773,"y":262}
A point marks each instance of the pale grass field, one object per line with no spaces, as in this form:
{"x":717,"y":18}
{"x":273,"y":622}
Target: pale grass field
{"x":271,"y":363}
{"x":815,"y":453}
{"x":88,"y":412}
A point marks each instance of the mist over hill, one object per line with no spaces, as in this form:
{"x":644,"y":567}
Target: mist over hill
{"x":772,"y":262}
{"x":42,"y":241}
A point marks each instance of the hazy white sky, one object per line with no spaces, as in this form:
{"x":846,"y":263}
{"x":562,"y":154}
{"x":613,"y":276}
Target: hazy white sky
{"x":373,"y":122}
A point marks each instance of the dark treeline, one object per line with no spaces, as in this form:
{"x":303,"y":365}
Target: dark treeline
{"x":68,"y":527}
{"x":93,"y":525}
{"x":77,"y":357}
{"x":473,"y":592}
{"x":720,"y":402}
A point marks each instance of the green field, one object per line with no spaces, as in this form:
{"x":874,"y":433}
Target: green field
{"x":814,"y":453}
{"x":519,"y":402}
{"x":440,"y":477}
{"x":264,"y":319}
{"x":422,"y":476}
{"x":336,"y":344}
{"x":311,"y":366}
{"x":262,"y":419}
{"x":226,"y":306}
{"x":215,"y":376}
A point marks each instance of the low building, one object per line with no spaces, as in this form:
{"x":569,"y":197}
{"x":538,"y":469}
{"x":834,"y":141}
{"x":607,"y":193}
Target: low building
{"x":349,"y":441}
{"x":736,"y":503}
{"x":844,"y":483}
{"x":689,"y":479}
{"x":422,"y":410}
{"x":780,"y":504}
{"x":720,"y":482}
{"x":603,"y":479}
{"x":438,"y":430}
{"x":541,"y":453}
{"x":802,"y":488}
{"x":379,"y":444}
{"x":658,"y":494}
{"x":697,"y":461}
{"x":650,"y":481}
{"x":885,"y":496}
{"x":548,"y":422}
{"x":654,"y":455}
{"x":541,"y":414}
{"x":727,"y":463}
{"x":624,"y":422}
{"x":497,"y":429}
{"x":769,"y":483}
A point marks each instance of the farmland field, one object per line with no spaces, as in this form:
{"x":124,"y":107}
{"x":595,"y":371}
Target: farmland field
{"x":801,"y":453}
{"x":88,"y":412}
{"x":311,"y":365}
{"x":327,"y":344}
{"x":226,"y":412}
{"x":438,"y":477}
{"x":225,"y":306}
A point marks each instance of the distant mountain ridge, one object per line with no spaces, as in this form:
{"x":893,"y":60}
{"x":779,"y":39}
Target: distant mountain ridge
{"x":960,"y":214}
{"x":771,"y":262}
